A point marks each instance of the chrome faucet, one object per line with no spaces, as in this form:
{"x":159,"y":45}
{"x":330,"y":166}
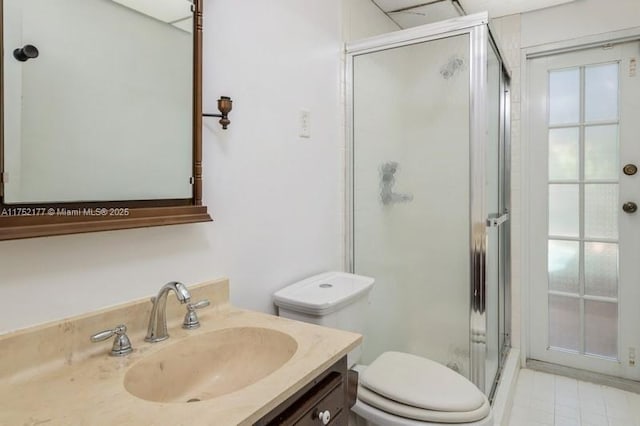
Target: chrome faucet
{"x":157,"y":330}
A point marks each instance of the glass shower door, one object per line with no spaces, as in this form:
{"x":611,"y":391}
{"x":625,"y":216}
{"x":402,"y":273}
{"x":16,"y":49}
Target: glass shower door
{"x":497,"y":220}
{"x":429,"y":194}
{"x":411,"y":220}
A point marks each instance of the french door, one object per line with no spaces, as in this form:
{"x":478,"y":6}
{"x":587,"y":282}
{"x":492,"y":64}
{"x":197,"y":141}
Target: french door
{"x":585,"y":231}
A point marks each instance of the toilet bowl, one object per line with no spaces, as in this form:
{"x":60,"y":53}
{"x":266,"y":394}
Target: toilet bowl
{"x":396,"y":389}
{"x":371,"y":416}
{"x":400,"y":389}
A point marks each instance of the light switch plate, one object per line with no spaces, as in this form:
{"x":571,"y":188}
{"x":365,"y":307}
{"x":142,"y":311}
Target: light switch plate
{"x":305,"y":123}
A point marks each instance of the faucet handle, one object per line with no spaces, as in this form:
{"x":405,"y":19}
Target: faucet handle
{"x":198,"y":305}
{"x":121,"y":344}
{"x":191,"y":318}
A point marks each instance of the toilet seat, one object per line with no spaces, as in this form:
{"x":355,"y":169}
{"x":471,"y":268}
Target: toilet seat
{"x":420,"y":414}
{"x":408,"y":379}
{"x":420,"y":391}
{"x":381,"y":418}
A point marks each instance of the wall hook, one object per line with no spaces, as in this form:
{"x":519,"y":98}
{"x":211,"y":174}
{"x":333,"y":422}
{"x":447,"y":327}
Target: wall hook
{"x":224,"y":106}
{"x":28,"y":51}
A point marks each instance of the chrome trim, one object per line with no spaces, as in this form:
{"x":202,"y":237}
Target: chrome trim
{"x":495,"y":220}
{"x":418,"y":34}
{"x":478,"y":234}
{"x":507,"y":208}
{"x":121,"y":343}
{"x":157,"y":329}
{"x":191,"y":320}
{"x":349,"y":164}
{"x":504,"y":250}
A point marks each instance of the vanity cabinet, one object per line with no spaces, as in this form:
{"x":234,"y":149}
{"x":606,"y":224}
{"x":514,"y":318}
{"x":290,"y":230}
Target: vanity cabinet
{"x":325,"y":400}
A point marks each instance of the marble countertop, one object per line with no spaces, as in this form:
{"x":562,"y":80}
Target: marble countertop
{"x":73,"y":382}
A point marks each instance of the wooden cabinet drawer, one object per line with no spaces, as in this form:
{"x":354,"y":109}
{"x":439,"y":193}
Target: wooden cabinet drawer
{"x":332,"y":401}
{"x":327,"y":392}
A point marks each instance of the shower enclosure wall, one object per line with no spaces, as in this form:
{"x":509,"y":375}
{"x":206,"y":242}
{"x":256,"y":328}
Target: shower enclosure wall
{"x":428,"y":201}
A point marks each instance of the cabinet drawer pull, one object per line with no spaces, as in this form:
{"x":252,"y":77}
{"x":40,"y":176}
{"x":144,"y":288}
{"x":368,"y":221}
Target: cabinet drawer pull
{"x":325,"y":417}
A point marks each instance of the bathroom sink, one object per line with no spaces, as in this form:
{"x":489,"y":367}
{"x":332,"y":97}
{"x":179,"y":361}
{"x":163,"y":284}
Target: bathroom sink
{"x":210,"y":365}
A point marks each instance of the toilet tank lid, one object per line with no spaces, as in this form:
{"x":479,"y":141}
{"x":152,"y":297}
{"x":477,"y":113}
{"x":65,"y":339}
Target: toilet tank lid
{"x":324,"y":293}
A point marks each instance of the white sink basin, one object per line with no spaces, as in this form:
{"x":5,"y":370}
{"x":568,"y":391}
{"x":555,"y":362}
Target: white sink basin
{"x":210,"y":365}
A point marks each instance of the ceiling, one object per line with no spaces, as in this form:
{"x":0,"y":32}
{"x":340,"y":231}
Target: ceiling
{"x":411,"y":13}
{"x":173,"y":12}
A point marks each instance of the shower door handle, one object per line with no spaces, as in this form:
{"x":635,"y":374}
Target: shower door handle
{"x":495,"y":220}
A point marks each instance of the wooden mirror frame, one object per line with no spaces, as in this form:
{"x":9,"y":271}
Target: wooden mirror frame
{"x":46,"y":219}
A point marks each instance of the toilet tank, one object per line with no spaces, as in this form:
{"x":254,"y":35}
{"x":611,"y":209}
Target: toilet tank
{"x":331,"y":299}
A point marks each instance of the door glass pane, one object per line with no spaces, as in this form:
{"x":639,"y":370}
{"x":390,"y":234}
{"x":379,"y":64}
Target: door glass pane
{"x":601,"y":152}
{"x":564,"y":258}
{"x":583,"y":171}
{"x":564,"y":322}
{"x":601,"y":92}
{"x":601,"y":328}
{"x":563,"y":153}
{"x":601,"y":269}
{"x":601,"y":210}
{"x":563,"y":210}
{"x":564,"y":96}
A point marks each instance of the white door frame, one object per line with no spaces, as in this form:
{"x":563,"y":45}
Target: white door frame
{"x":582,"y":43}
{"x":12,"y":94}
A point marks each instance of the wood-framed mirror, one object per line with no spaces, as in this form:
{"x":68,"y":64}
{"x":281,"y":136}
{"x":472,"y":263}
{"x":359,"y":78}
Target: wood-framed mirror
{"x":101,"y":115}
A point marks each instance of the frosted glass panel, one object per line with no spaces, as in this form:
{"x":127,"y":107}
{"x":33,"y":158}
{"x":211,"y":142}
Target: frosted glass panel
{"x":564,"y":322}
{"x":601,"y":269}
{"x":601,"y":92}
{"x":409,"y":155}
{"x":564,"y":96}
{"x":584,"y":168}
{"x":601,"y":210}
{"x":601,"y":152}
{"x":563,"y":210}
{"x":564,"y":147}
{"x":601,"y":328}
{"x":564,"y":260}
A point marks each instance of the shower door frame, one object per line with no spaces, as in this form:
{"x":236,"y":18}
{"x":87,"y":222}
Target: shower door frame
{"x":480,"y":39}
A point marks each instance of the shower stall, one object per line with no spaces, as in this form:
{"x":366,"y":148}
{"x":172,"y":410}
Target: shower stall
{"x":428,"y":193}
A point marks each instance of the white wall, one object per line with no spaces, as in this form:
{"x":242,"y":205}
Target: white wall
{"x":276,"y":198}
{"x":362,"y":18}
{"x":578,"y":19}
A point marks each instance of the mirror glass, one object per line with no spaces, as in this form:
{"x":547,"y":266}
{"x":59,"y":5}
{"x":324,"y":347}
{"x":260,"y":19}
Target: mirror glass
{"x":102,"y":108}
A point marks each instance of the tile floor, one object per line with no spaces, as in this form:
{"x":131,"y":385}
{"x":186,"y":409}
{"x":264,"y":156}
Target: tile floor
{"x":544,"y":399}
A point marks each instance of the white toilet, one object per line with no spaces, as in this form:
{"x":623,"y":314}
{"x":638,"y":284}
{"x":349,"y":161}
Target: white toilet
{"x":397,"y":389}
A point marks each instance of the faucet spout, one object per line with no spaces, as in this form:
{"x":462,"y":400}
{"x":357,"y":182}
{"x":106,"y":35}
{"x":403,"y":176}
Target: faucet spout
{"x":157,"y":330}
